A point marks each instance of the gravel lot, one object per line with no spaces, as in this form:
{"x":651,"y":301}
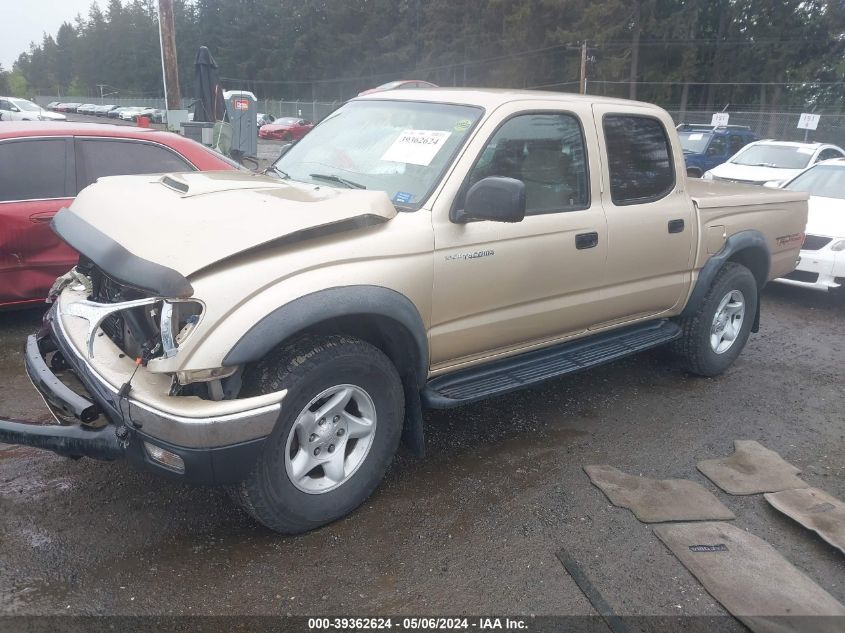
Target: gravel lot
{"x":474,"y":527}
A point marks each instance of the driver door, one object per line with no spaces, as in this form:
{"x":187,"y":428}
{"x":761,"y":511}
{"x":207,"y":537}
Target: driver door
{"x":500,"y":288}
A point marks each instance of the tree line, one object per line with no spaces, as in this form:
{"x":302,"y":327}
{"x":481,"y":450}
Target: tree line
{"x":688,"y":53}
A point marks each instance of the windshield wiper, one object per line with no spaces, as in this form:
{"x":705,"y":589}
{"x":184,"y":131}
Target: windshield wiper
{"x":281,"y":173}
{"x":342,"y":181}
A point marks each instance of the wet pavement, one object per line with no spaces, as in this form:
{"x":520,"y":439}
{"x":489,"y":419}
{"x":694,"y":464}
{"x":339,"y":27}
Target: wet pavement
{"x":472,"y":528}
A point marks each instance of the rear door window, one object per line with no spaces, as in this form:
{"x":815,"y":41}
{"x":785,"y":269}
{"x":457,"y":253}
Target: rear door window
{"x":33,"y":169}
{"x":97,"y":158}
{"x":639,"y":159}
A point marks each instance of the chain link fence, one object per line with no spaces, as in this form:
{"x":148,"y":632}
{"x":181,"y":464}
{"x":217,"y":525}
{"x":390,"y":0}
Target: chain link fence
{"x":781,"y":126}
{"x":764,"y":123}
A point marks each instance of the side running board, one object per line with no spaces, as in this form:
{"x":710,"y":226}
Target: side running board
{"x":536,"y":366}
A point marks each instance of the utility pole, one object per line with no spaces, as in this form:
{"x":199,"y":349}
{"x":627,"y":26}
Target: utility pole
{"x":582,"y":84}
{"x":169,"y":68}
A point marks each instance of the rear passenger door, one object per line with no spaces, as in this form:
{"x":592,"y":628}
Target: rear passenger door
{"x":650,"y":221}
{"x":99,"y":157}
{"x":36,"y":180}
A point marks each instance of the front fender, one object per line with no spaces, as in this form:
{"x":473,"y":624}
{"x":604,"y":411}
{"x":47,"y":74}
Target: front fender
{"x":332,"y":303}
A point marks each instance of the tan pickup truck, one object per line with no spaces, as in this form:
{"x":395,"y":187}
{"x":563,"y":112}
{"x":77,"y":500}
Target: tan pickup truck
{"x":280,"y":333}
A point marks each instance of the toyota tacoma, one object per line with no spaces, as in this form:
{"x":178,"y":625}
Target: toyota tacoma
{"x":280,"y":333}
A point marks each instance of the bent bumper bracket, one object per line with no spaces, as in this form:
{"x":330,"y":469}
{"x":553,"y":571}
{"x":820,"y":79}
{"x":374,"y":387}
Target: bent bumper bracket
{"x":70,"y":441}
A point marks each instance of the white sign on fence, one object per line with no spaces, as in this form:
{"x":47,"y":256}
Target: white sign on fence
{"x":719,"y":119}
{"x":808,"y":121}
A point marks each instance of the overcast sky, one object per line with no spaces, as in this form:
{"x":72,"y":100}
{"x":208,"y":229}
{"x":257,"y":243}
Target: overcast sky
{"x":25,"y":21}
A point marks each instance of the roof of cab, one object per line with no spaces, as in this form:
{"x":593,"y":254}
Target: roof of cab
{"x":492,"y":98}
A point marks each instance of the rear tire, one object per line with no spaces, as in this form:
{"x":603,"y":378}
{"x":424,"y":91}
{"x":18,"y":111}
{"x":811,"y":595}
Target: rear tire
{"x":714,"y":336}
{"x":322,"y":460}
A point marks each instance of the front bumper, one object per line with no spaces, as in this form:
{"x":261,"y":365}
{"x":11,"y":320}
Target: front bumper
{"x":95,"y":421}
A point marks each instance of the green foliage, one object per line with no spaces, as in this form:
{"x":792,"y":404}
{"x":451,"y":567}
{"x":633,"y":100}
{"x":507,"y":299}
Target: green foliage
{"x":697,"y":53}
{"x":17,"y":84}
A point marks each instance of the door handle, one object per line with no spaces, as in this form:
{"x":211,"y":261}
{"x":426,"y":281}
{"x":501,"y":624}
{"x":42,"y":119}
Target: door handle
{"x":676,"y":226}
{"x":586,"y":240}
{"x":42,"y":217}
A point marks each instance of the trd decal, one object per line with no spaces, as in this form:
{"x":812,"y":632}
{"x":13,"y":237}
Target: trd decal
{"x":783,"y":240}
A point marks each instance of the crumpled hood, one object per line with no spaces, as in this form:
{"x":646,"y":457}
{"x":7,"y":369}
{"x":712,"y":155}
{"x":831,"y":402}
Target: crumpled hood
{"x":189,"y":221}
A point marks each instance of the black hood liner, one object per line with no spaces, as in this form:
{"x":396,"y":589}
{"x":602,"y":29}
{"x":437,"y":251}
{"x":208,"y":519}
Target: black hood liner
{"x":117,"y":262}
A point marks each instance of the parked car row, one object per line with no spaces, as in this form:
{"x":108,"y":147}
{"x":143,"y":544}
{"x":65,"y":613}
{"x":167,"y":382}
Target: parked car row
{"x":733,"y":153}
{"x":112,"y":111}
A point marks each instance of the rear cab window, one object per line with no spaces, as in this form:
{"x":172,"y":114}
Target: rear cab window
{"x":639,"y":158}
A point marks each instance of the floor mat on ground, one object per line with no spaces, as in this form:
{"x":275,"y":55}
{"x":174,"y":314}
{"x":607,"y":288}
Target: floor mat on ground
{"x":815,"y":510}
{"x":751,"y":469}
{"x":658,"y":500}
{"x":752,"y":580}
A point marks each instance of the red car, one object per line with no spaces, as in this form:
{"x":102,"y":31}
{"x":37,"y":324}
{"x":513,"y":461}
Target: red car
{"x":402,"y":84}
{"x":285,"y":129}
{"x":44,"y":165}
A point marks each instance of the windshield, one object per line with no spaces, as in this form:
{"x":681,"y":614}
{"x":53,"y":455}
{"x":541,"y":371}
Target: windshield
{"x":29,"y":106}
{"x":285,"y":121}
{"x":695,"y":142}
{"x":781,"y":156}
{"x":399,"y":147}
{"x":827,"y":181}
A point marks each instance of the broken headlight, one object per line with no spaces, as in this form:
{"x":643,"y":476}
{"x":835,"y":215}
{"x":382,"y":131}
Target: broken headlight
{"x":178,"y":320}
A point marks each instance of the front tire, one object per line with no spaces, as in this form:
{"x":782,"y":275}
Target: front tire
{"x":338,"y":431}
{"x":714,"y":336}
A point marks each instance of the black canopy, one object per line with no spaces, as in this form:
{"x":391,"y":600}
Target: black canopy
{"x":208,"y":92}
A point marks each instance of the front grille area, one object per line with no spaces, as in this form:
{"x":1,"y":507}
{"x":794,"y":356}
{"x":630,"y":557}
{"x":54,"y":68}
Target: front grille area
{"x":815,"y":242}
{"x":133,"y":330}
{"x":803,"y":275}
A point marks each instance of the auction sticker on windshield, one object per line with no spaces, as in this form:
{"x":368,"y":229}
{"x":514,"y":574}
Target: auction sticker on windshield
{"x":417,"y":147}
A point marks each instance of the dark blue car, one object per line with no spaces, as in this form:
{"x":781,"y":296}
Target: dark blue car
{"x":706,"y":146}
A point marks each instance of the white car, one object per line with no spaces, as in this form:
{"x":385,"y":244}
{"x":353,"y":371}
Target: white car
{"x":772,"y":161}
{"x":822,"y":263}
{"x":15,"y":109}
{"x":130,"y":113}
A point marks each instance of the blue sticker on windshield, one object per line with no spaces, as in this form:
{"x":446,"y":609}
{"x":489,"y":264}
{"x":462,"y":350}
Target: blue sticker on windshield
{"x":402,"y":196}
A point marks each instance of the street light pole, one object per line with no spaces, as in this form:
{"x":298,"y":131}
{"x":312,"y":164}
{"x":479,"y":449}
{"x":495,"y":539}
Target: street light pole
{"x":582,"y":84}
{"x":169,"y":67}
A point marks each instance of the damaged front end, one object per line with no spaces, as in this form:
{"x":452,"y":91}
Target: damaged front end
{"x":90,"y":363}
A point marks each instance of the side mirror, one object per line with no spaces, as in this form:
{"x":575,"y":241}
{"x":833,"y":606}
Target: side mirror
{"x":495,"y":198}
{"x":772,"y":184}
{"x":14,"y":108}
